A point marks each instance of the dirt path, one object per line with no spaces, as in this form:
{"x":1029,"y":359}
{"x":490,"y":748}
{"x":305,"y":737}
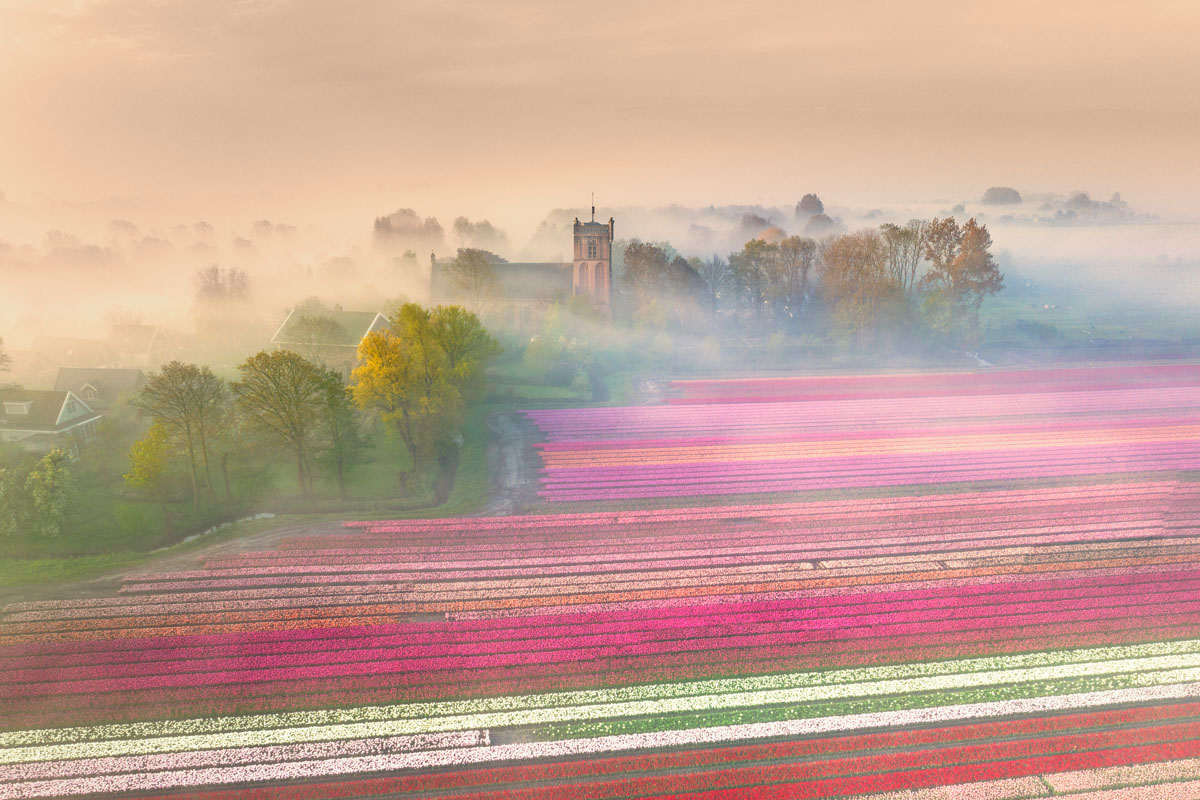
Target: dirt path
{"x":513,"y":465}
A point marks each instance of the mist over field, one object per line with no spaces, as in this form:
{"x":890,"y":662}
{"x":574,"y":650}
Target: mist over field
{"x":71,"y":270}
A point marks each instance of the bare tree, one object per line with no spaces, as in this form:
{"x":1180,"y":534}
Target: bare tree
{"x":789,"y":274}
{"x":718,"y":278}
{"x":474,"y":273}
{"x":905,"y":252}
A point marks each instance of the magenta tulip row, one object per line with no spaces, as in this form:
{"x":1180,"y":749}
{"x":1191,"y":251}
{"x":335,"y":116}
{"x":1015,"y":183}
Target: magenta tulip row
{"x":568,"y":650}
{"x":551,"y":638}
{"x":969,"y":591}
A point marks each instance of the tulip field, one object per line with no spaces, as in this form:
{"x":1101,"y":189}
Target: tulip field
{"x":901,"y":586}
{"x":770,"y":436}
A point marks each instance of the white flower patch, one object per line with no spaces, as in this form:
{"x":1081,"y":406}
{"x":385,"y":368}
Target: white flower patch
{"x":576,"y":747}
{"x":1138,"y":672}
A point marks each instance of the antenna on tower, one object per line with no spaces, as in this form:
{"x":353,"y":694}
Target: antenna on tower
{"x":593,"y":206}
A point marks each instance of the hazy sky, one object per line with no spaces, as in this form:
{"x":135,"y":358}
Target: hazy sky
{"x":337,"y":110}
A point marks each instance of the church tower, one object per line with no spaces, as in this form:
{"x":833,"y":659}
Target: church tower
{"x":593,"y":261}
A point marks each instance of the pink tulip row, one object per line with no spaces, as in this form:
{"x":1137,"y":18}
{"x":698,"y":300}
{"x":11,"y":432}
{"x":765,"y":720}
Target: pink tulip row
{"x":852,"y":414}
{"x":530,"y":583}
{"x":943,"y":383}
{"x":680,"y":550}
{"x":832,"y":507}
{"x":758,"y":483}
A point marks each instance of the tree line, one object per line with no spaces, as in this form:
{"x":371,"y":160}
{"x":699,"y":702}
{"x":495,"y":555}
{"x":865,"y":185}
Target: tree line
{"x":874,"y":287}
{"x":419,"y":377}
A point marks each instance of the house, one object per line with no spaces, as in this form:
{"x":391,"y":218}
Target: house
{"x":328,"y":337}
{"x":102,"y":388}
{"x":524,"y":290}
{"x":143,"y":346}
{"x":41,"y":420}
{"x":66,"y":351}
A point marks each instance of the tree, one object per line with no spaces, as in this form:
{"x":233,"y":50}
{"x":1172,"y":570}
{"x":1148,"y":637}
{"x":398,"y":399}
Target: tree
{"x":189,"y":401}
{"x":282,"y":395}
{"x":474,"y":274}
{"x":345,"y":445}
{"x":468,"y":348}
{"x":50,"y":487}
{"x":12,"y":503}
{"x":905,"y":252}
{"x":751,"y":268}
{"x":788,"y":274}
{"x":1001,"y":195}
{"x":962,"y":272}
{"x":718,"y":279}
{"x":809,"y":205}
{"x":855,"y":281}
{"x":150,"y":467}
{"x":313,"y":336}
{"x":5,"y":359}
{"x":420,"y":374}
{"x":645,"y":271}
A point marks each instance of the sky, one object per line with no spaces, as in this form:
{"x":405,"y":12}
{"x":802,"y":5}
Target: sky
{"x":331,"y":112}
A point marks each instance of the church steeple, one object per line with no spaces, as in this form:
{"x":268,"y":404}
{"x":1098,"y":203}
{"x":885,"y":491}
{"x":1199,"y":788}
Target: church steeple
{"x":593,"y":260}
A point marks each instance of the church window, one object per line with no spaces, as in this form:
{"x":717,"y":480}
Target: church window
{"x":591,"y":247}
{"x":583,"y":277}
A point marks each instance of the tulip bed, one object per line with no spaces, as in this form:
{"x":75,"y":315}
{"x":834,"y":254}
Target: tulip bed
{"x":1010,"y":642}
{"x":798,"y":435}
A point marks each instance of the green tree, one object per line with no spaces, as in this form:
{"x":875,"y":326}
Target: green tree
{"x":468,"y":348}
{"x":190,"y":401}
{"x":345,"y":444}
{"x":50,"y":487}
{"x":150,"y":467}
{"x":12,"y":503}
{"x":421,"y":374}
{"x":5,"y":358}
{"x":281,"y":394}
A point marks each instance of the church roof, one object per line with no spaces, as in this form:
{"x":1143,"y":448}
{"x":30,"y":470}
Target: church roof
{"x":518,"y":281}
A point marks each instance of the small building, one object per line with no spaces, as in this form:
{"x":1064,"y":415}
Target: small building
{"x":102,"y":389}
{"x":524,"y":290}
{"x":66,"y":351}
{"x":139,"y":345}
{"x":41,"y":420}
{"x":329,"y":337}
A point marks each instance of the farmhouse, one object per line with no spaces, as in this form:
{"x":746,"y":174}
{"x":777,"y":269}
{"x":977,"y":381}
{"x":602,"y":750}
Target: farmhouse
{"x":524,"y":290}
{"x":329,"y":337}
{"x":102,"y":389}
{"x":40,"y":420}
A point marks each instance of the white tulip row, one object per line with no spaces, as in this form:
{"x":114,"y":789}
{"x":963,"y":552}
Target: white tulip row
{"x":1160,"y":670}
{"x":575,"y":747}
{"x":243,"y":755}
{"x":426,"y":710}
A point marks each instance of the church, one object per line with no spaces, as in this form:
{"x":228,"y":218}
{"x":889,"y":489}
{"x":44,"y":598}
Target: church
{"x":525,"y":290}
